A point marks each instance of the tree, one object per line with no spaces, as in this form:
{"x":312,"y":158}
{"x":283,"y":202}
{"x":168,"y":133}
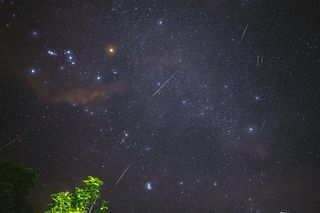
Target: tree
{"x":81,"y":201}
{"x":15,"y":183}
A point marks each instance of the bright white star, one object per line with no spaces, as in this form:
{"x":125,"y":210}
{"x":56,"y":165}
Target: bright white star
{"x":148,"y":186}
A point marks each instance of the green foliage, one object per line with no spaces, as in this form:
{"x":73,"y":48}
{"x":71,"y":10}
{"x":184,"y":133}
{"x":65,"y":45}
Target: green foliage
{"x":15,"y":183}
{"x":81,"y":201}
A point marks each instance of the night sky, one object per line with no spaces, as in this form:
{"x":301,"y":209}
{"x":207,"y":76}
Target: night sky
{"x":203,"y":106}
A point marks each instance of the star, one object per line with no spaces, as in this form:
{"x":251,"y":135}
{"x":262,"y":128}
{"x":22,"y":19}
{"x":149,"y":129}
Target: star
{"x":114,"y":72}
{"x":251,"y":130}
{"x":147,"y":148}
{"x":110,"y":51}
{"x":33,"y":71}
{"x":126,"y":134}
{"x":34,"y":34}
{"x":149,"y":186}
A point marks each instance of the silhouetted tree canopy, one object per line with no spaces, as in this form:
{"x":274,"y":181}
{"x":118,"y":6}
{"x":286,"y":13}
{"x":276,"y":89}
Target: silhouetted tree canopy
{"x":15,"y":183}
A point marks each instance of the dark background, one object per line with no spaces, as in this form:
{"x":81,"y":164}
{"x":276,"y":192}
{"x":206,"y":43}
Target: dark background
{"x":234,"y":127}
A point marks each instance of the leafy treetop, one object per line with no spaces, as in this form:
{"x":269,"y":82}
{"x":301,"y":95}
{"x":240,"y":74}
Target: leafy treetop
{"x":81,"y":201}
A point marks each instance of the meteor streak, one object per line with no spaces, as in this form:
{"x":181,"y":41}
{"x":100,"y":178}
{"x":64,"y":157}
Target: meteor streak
{"x":164,"y":84}
{"x":244,"y":32}
{"x":123,"y":173}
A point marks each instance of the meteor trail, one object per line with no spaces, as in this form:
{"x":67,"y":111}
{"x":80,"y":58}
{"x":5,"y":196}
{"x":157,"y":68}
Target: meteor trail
{"x":123,"y":173}
{"x":244,"y":32}
{"x":262,"y":126}
{"x":8,"y":144}
{"x":164,"y":84}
